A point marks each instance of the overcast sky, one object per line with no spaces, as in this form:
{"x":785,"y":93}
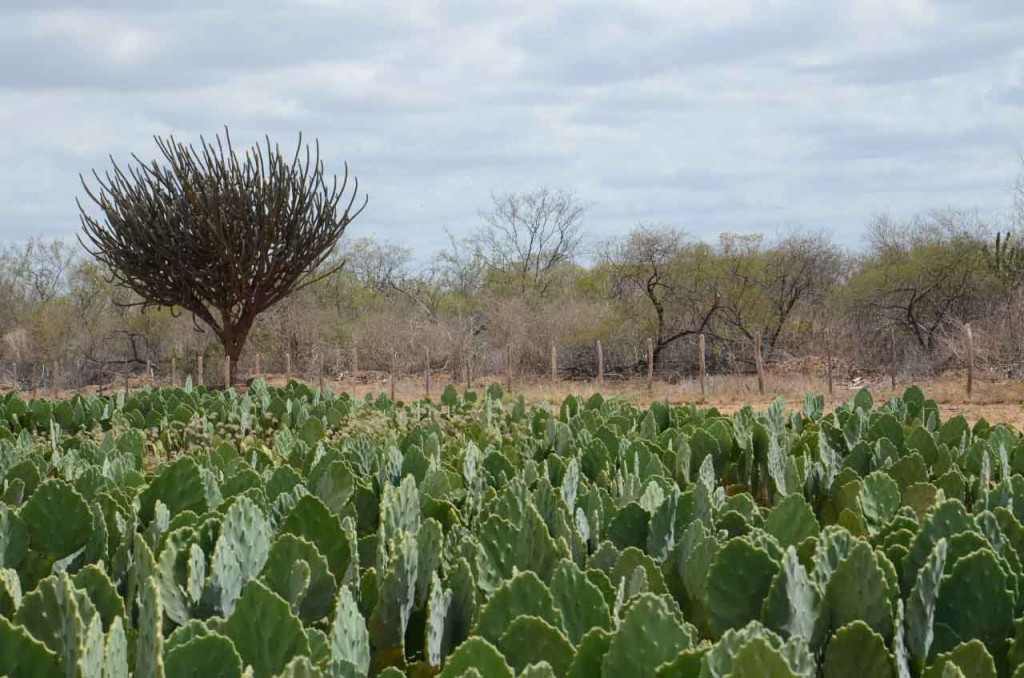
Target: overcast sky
{"x":711,"y":115}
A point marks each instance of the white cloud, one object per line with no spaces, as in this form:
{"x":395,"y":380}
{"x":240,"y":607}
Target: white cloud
{"x":710,"y":115}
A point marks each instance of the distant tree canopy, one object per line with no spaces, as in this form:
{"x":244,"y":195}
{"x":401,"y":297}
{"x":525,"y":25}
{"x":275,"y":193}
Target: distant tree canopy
{"x":221,"y":235}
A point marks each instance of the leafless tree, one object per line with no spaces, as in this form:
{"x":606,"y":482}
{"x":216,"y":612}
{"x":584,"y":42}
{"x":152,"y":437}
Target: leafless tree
{"x":529,"y":234}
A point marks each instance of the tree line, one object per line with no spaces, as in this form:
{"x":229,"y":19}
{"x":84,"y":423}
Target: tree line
{"x":529,"y":278}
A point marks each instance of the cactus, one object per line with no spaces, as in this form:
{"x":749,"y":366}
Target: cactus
{"x":970,"y":659}
{"x":312,"y":601}
{"x":920,"y":607}
{"x":13,"y":538}
{"x":269,"y":645}
{"x":792,"y":521}
{"x":590,"y":654}
{"x":794,"y":603}
{"x":23,"y":656}
{"x":738,"y":583}
{"x":652,"y":632}
{"x":476,"y":653}
{"x":58,"y":520}
{"x":211,"y":655}
{"x":149,"y":645}
{"x":524,"y":594}
{"x":879,"y":497}
{"x":974,"y":603}
{"x":530,"y":639}
{"x":350,"y":641}
{"x":580,"y":602}
{"x":858,"y":589}
{"x":855,"y":651}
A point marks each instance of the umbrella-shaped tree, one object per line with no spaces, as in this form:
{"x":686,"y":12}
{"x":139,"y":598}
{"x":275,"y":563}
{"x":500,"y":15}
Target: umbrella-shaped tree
{"x":222,"y":235}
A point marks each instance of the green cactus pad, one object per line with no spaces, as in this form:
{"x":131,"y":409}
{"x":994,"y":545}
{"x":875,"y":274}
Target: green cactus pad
{"x":859,"y":590}
{"x":179,"y":485}
{"x":350,"y":641}
{"x":971,"y":658}
{"x":738,"y":583}
{"x":879,"y":498}
{"x":794,"y":603}
{"x":579,"y":601}
{"x":590,"y":654}
{"x":855,"y":651}
{"x":792,"y":521}
{"x":58,"y":520}
{"x":317,"y":598}
{"x":524,"y":594}
{"x":278,"y":637}
{"x":758,"y":659}
{"x":212,"y":655}
{"x":13,"y":538}
{"x":920,"y":607}
{"x":529,"y":640}
{"x":651,"y":633}
{"x":974,"y":603}
{"x":476,"y":653}
{"x":23,"y":656}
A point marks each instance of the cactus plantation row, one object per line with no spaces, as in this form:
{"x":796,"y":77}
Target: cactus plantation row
{"x":288,"y":532}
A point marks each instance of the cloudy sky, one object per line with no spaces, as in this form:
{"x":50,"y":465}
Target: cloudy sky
{"x":711,"y":115}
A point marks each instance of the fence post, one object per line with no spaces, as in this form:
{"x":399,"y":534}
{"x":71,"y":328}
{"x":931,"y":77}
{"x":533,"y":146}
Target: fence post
{"x":391,"y":377}
{"x":53,"y":379}
{"x":758,"y":363}
{"x":554,"y":363}
{"x":970,"y":359}
{"x":650,"y":364}
{"x":828,"y":358}
{"x":469,"y":370}
{"x":174,"y":370}
{"x":508,"y":367}
{"x":288,"y":365}
{"x":426,"y":351}
{"x":701,"y":364}
{"x":259,"y":367}
{"x":355,"y":360}
{"x":199,"y":370}
{"x":227,"y":373}
{"x":321,"y":375}
{"x":600,"y":364}
{"x":892,"y":358}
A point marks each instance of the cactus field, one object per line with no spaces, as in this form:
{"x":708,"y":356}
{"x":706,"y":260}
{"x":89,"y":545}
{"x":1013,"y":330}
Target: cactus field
{"x":292,"y":532}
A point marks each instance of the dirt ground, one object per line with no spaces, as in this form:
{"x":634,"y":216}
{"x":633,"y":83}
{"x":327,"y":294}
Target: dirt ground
{"x":997,"y":400}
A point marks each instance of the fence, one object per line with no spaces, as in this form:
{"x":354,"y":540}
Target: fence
{"x":322,"y":366}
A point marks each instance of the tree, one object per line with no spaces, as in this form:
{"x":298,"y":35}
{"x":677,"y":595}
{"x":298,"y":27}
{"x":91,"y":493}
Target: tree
{"x":528,"y":235}
{"x":222,"y":236}
{"x":675,"y":275}
{"x":924,"y":276}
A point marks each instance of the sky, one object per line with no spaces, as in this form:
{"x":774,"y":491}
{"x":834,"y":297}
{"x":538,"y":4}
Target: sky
{"x":709,"y":115}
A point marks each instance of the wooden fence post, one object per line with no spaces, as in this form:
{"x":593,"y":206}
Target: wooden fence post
{"x":892,"y":358}
{"x":288,"y":365}
{"x":554,"y":363}
{"x":600,"y":364}
{"x":391,"y":376}
{"x":199,"y":370}
{"x":321,"y":375}
{"x":650,"y":364}
{"x":701,"y":364}
{"x":227,"y":373}
{"x":53,"y":379}
{"x":758,"y":364}
{"x":469,"y":371}
{"x":355,"y":360}
{"x":259,"y":367}
{"x":970,"y":360}
{"x":426,"y":351}
{"x":508,"y":367}
{"x":35,"y":380}
{"x":174,"y":370}
{"x":828,"y":359}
